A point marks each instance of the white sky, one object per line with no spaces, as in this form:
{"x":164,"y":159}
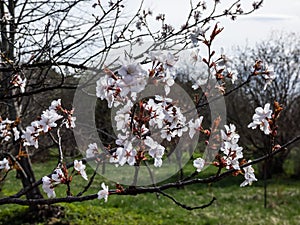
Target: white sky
{"x":275,"y":15}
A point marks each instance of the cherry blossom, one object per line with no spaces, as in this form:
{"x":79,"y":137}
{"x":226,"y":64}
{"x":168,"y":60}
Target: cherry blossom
{"x":103,"y":194}
{"x":269,"y":76}
{"x":232,"y":153}
{"x":48,"y":187}
{"x":230,"y":148}
{"x":157,"y":56}
{"x":16,"y":133}
{"x":55,"y":104}
{"x":105,"y":89}
{"x":5,"y":131}
{"x":156,"y":112}
{"x":49,"y":183}
{"x":124,"y":155}
{"x":80,"y":167}
{"x":156,"y":151}
{"x":230,"y":135}
{"x":48,"y":120}
{"x":166,"y":133}
{"x":199,"y":164}
{"x":58,"y":176}
{"x":195,"y":126}
{"x":168,"y":80}
{"x":70,"y":122}
{"x":30,"y":137}
{"x":123,"y":117}
{"x":133,"y":80}
{"x":260,"y":119}
{"x":4,"y":164}
{"x":249,"y":175}
{"x":92,"y":150}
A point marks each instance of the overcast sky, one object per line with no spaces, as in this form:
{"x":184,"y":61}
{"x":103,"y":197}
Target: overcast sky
{"x":275,"y":15}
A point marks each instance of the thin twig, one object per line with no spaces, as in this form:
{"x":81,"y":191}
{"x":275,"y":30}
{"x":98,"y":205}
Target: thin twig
{"x":185,"y":206}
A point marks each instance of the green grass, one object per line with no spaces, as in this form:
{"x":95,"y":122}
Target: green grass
{"x":234,"y":205}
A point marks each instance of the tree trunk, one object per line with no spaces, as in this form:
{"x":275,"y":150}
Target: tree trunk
{"x":7,"y":47}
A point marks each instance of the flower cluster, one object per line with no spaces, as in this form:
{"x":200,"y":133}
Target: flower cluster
{"x":133,"y":120}
{"x":233,"y":153}
{"x":249,"y":175}
{"x":8,"y":129}
{"x":230,"y":148}
{"x":124,"y":85}
{"x":60,"y":176}
{"x":260,"y":118}
{"x":49,"y":183}
{"x":135,"y":138}
{"x":47,"y":121}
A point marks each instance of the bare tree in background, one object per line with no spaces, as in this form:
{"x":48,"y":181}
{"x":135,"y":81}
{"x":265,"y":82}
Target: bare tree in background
{"x":281,"y":53}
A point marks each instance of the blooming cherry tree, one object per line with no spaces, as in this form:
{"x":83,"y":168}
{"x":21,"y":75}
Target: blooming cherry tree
{"x":149,"y":129}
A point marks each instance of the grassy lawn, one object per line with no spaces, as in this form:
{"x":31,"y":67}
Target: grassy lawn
{"x":234,"y":205}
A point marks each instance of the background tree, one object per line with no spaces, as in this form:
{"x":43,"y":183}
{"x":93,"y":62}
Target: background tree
{"x":280,"y":53}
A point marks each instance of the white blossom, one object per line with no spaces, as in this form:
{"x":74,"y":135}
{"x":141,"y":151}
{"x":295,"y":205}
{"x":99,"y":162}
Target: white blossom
{"x":156,"y":151}
{"x":70,"y":122}
{"x":269,"y":76}
{"x":123,"y":117}
{"x":195,"y":126}
{"x":249,"y":175}
{"x":58,"y":176}
{"x":230,"y":134}
{"x":260,"y":119}
{"x":17,"y":81}
{"x":55,"y":104}
{"x":48,"y":119}
{"x":4,"y":164}
{"x":103,"y":194}
{"x":16,"y":133}
{"x":92,"y":150}
{"x":124,"y":154}
{"x":199,"y":164}
{"x":80,"y":167}
{"x":30,"y":137}
{"x":104,"y":89}
{"x":48,"y":187}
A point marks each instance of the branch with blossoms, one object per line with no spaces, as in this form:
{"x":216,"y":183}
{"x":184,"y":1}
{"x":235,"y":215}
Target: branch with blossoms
{"x":105,"y":192}
{"x":136,"y":141}
{"x":154,"y":125}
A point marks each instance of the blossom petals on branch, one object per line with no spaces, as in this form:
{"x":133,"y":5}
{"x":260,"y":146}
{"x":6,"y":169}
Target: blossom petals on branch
{"x":199,"y":164}
{"x":47,"y":187}
{"x":80,"y":167}
{"x":260,"y":118}
{"x":249,"y":175}
{"x":103,"y":194}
